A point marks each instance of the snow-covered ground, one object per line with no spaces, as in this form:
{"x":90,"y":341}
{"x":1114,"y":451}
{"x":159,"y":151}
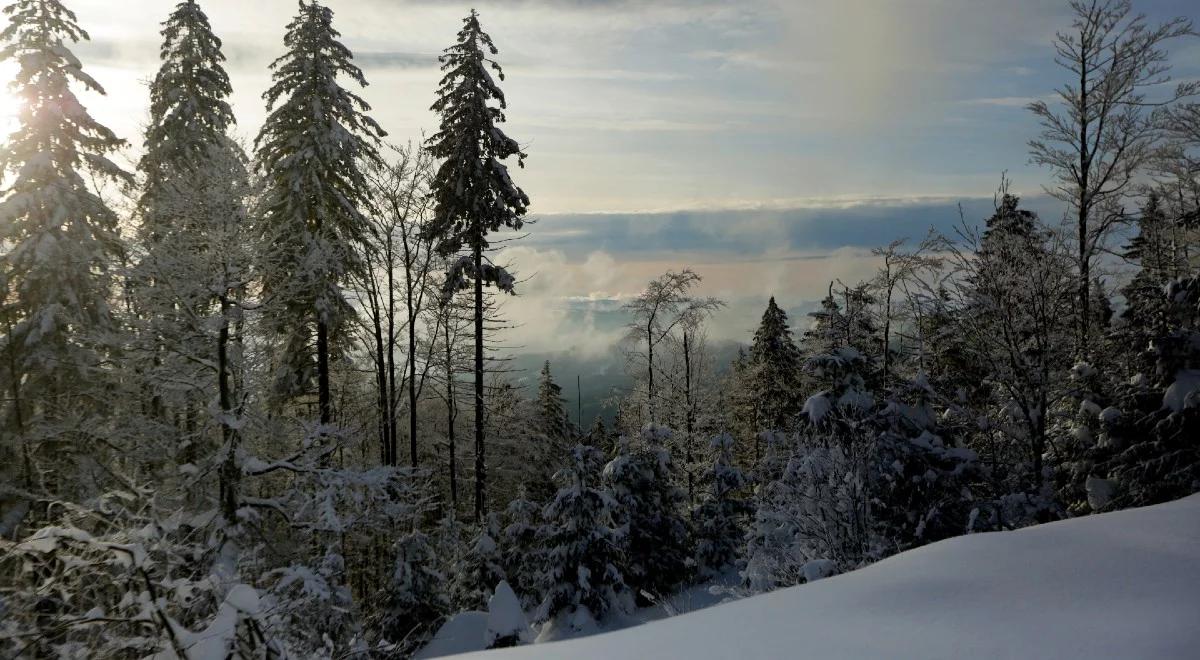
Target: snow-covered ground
{"x":1119,"y":585}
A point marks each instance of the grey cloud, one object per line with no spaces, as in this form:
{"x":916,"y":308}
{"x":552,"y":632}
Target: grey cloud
{"x":395,"y":60}
{"x":746,"y":231}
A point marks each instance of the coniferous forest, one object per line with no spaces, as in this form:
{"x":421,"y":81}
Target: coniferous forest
{"x":256,"y":404}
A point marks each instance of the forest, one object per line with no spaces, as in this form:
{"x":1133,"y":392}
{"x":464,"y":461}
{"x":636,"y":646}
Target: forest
{"x":256,"y":404}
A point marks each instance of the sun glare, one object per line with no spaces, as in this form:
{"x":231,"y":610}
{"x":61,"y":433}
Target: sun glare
{"x":9,"y":104}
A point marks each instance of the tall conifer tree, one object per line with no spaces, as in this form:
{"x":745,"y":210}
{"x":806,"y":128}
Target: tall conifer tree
{"x":775,"y":360}
{"x":61,"y":240}
{"x":312,"y":149}
{"x":472,"y":189}
{"x":191,"y":202}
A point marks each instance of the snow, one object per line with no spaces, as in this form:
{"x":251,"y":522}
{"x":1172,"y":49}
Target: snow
{"x":816,"y":407}
{"x":1115,"y":585}
{"x":505,"y":616}
{"x":1184,"y":392}
{"x":1099,"y":492}
{"x":462,"y":633}
{"x":818,"y":569}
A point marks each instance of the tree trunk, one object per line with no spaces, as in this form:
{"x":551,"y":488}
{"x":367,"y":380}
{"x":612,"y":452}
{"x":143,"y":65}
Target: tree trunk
{"x":391,"y":356}
{"x":1085,"y":164}
{"x":650,"y":373}
{"x":480,"y":463}
{"x":451,"y":415}
{"x":412,"y":373}
{"x":1084,"y":289}
{"x":230,"y":475}
{"x":887,"y":331}
{"x":688,"y":418}
{"x":18,"y":416}
{"x":387,"y":457}
{"x":324,"y":400}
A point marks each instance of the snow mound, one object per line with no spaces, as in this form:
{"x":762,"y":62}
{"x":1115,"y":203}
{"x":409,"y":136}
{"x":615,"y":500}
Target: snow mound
{"x":506,"y":620}
{"x":1184,"y":392}
{"x":463,"y":632}
{"x":1116,"y":585}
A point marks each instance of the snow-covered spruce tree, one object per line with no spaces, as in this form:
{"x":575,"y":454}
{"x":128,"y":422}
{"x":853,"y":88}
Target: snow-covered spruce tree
{"x":556,"y":425}
{"x":1007,"y":300}
{"x":1156,"y":249}
{"x":720,"y":519}
{"x":600,"y":437}
{"x":844,"y":321}
{"x":869,"y":475}
{"x":191,"y":274}
{"x":507,"y":625}
{"x":311,"y":150}
{"x":741,"y":408}
{"x":414,"y":600}
{"x":772,"y":558}
{"x":921,"y":480}
{"x":479,"y":568}
{"x":333,"y":520}
{"x":1146,"y":451}
{"x":581,"y":582}
{"x":60,"y":247}
{"x":775,"y":364}
{"x":189,"y":161}
{"x":311,"y":605}
{"x":473,"y":191}
{"x":520,"y":548}
{"x":655,"y":539}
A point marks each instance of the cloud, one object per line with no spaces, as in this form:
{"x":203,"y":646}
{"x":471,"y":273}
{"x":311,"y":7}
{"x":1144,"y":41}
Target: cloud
{"x":743,"y":233}
{"x":1001,"y":101}
{"x":395,"y":60}
{"x":578,"y":270}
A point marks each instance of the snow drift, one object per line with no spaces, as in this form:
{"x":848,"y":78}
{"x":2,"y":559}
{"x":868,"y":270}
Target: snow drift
{"x":1118,"y":585}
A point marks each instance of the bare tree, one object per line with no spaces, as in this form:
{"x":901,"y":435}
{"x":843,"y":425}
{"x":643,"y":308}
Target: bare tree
{"x":400,"y":261}
{"x":664,"y":306}
{"x":899,"y":267}
{"x":1104,"y":128}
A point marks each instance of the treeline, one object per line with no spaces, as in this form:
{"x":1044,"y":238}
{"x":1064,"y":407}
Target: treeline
{"x":236,"y":415}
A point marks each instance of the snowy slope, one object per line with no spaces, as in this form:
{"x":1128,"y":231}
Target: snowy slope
{"x":1119,"y":585}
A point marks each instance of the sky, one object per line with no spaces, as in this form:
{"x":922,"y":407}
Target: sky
{"x":768,"y":144}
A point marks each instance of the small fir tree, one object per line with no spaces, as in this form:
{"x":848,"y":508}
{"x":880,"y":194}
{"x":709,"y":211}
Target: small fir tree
{"x":655,"y":540}
{"x":581,"y":578}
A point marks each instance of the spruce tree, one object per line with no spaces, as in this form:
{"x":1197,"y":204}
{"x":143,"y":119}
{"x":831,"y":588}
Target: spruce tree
{"x":473,"y":192}
{"x":189,"y":109}
{"x":600,"y":438}
{"x":775,"y":361}
{"x":414,"y":598}
{"x":720,"y":518}
{"x":581,"y":577}
{"x":1147,"y":310}
{"x":655,"y":538}
{"x":479,"y":569}
{"x":61,"y":240}
{"x":552,"y":414}
{"x":193,"y":268}
{"x":520,"y":548}
{"x":312,"y":149}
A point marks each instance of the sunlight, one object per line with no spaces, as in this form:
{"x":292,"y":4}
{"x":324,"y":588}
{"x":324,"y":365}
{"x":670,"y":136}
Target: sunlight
{"x":10,"y":105}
